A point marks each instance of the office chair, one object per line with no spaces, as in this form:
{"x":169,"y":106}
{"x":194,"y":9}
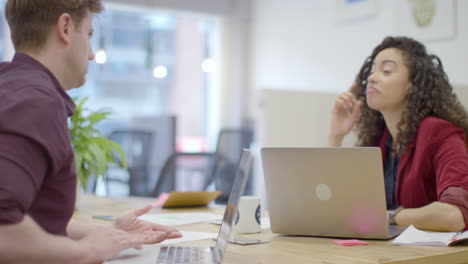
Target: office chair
{"x":163,"y":146}
{"x":217,"y":168}
{"x":136,"y":145}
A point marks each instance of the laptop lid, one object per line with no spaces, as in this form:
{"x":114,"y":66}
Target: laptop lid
{"x":330,"y":192}
{"x":230,"y":212}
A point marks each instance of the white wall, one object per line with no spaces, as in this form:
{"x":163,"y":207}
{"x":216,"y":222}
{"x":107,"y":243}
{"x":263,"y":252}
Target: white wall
{"x":299,"y":45}
{"x":235,"y":68}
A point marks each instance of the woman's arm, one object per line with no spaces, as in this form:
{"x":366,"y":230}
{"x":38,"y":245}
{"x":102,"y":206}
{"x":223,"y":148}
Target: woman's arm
{"x":449,"y":158}
{"x":437,"y":216}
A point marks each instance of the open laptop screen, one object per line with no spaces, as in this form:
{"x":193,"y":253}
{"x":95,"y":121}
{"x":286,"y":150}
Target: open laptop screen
{"x":231,"y":208}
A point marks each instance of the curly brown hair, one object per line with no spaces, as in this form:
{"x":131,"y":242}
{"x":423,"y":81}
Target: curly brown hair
{"x":430,"y":95}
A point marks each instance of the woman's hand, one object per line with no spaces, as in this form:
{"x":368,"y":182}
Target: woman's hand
{"x":344,"y":116}
{"x":436,"y":216}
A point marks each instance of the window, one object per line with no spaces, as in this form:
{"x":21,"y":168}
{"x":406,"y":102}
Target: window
{"x":2,"y":31}
{"x":152,"y":63}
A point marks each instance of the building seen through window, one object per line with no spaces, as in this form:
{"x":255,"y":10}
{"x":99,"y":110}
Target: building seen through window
{"x":2,"y":31}
{"x":152,"y":63}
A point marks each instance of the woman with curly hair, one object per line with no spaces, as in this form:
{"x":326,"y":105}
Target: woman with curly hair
{"x":402,"y":102}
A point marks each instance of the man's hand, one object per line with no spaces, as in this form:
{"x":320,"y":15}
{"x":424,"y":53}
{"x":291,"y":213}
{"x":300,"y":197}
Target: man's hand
{"x":149,"y":232}
{"x":104,"y":243}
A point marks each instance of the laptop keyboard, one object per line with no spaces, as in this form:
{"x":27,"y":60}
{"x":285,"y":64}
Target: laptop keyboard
{"x":180,"y":254}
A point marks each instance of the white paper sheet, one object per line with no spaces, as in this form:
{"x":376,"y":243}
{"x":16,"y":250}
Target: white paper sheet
{"x":414,"y":236}
{"x":180,"y":218}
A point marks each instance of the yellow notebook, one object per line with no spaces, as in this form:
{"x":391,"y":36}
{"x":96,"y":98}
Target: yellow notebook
{"x":189,"y":199}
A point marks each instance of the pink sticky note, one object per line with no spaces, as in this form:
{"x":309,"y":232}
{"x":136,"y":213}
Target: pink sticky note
{"x":162,"y":198}
{"x":350,"y":242}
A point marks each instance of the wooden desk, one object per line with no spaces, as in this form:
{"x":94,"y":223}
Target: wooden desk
{"x":282,"y":249}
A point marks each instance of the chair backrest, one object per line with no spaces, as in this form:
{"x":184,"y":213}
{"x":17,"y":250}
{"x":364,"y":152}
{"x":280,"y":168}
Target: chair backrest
{"x":136,"y":145}
{"x":218,"y":167}
{"x":228,"y":152}
{"x":232,"y":141}
{"x":163,"y":146}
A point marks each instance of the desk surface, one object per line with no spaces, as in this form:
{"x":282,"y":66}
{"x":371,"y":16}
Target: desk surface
{"x":282,"y":249}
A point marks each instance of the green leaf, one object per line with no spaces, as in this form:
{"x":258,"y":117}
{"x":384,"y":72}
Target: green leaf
{"x":97,"y":116}
{"x":78,"y":161}
{"x":93,"y":151}
{"x":121,"y":153}
{"x":100,"y":158}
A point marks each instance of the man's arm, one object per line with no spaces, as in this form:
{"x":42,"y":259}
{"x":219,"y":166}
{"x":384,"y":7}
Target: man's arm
{"x":77,"y":230}
{"x":437,"y":216}
{"x":26,"y":242}
{"x":152,"y":233}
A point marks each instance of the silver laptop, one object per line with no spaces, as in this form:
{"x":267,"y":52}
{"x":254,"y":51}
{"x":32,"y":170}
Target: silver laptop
{"x":198,"y":254}
{"x":328,"y":192}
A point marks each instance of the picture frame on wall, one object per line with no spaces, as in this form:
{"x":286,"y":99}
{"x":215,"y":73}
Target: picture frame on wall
{"x":353,"y":10}
{"x":427,"y":19}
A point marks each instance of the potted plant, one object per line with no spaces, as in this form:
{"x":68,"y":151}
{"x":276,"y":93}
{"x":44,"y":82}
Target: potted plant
{"x":93,"y":151}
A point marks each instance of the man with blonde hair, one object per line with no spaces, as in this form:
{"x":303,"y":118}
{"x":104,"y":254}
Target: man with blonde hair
{"x":38,"y":178}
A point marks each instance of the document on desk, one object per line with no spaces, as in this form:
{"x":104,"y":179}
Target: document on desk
{"x":180,"y":218}
{"x":414,"y":236}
